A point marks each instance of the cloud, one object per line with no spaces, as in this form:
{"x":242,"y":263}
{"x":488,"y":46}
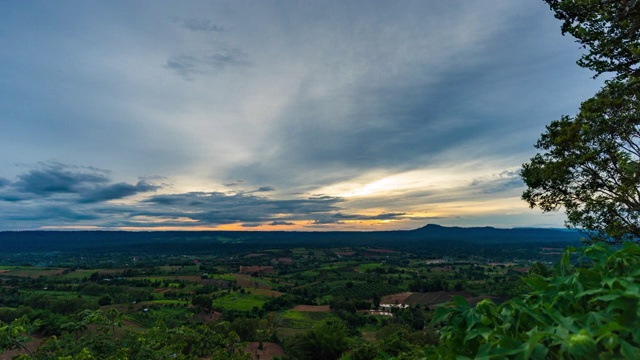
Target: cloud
{"x":326,"y":221}
{"x":56,"y":178}
{"x":501,"y":182}
{"x":299,"y":96}
{"x":265,"y":189}
{"x":118,"y":191}
{"x":188,"y":65}
{"x":340,"y":218}
{"x":254,"y":225}
{"x":262,"y":189}
{"x":68,"y":183}
{"x":55,"y":213}
{"x":285,"y":223}
{"x":81,"y":196}
{"x":215,"y":208}
{"x":235,"y":183}
{"x":201,"y":24}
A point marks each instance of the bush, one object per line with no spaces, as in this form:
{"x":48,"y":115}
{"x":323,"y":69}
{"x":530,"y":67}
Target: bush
{"x":577,"y":313}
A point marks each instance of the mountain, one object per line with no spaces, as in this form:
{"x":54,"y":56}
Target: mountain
{"x":430,"y":238}
{"x":495,"y":235}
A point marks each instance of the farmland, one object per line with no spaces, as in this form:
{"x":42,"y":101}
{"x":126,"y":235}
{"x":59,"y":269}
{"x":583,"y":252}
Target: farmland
{"x":274,"y":295}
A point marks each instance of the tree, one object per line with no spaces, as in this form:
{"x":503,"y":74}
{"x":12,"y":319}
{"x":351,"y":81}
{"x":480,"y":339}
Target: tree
{"x":326,"y":342}
{"x":610,"y":30}
{"x":590,"y":163}
{"x":202,"y":301}
{"x":105,"y":300}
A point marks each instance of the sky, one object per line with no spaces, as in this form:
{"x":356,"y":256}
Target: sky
{"x":277,"y":115}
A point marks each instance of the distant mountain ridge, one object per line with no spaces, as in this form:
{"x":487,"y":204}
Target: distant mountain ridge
{"x":488,"y":233}
{"x":428,"y":238}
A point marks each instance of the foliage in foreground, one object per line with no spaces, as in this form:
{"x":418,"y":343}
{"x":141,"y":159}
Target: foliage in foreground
{"x":582,"y":312}
{"x":93,"y":337}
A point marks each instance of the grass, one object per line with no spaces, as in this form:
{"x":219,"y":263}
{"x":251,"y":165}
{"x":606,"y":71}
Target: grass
{"x":11,"y":267}
{"x":241,"y":302}
{"x":248,"y":281}
{"x":227,"y":277}
{"x":309,"y":273}
{"x":330,"y":267}
{"x":57,"y":294}
{"x":304,"y":319}
{"x":368,"y":267}
{"x":79,"y":274}
{"x":266,"y":292}
{"x":169,"y":268}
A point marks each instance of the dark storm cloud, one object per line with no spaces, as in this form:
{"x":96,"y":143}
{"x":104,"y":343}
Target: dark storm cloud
{"x":217,"y":208}
{"x":117,"y":191}
{"x":4,"y":182}
{"x":188,"y":66}
{"x":223,"y":208}
{"x":12,"y":196}
{"x":55,"y":178}
{"x":68,"y":183}
{"x":200,"y":24}
{"x":54,"y":213}
{"x":339,"y":218}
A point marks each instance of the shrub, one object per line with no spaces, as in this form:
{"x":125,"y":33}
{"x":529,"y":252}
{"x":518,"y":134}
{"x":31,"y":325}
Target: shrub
{"x":577,"y":313}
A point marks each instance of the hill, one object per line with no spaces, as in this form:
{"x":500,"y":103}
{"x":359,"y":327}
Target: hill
{"x":430,"y":238}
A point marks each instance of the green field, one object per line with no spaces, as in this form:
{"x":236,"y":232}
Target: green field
{"x":227,"y":277}
{"x":310,"y":273}
{"x":369,"y":267}
{"x":304,"y":319}
{"x":242,"y":302}
{"x":54,"y":293}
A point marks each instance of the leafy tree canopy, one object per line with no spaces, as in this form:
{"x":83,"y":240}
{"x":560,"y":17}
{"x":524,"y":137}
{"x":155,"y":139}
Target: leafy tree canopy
{"x":590,"y":163}
{"x":609,"y":29}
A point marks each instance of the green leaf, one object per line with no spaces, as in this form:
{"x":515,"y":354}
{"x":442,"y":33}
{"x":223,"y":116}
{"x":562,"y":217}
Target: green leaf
{"x":564,"y":321}
{"x":460,"y":302}
{"x":441,"y":315}
{"x":629,"y":351}
{"x":608,"y":297}
{"x":537,"y":282}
